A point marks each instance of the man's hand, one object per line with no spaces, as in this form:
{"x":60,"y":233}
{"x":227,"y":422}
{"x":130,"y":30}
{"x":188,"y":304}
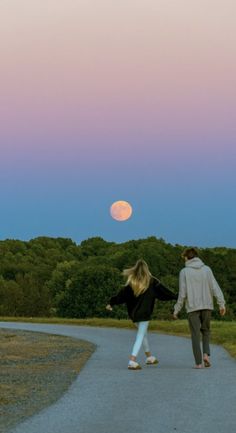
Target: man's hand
{"x":175,"y":317}
{"x":109,"y":307}
{"x":222,"y":311}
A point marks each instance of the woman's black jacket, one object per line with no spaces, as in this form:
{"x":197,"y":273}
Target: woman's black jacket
{"x":140,"y":307}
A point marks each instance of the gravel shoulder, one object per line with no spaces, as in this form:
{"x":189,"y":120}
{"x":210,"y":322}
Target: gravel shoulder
{"x":36,"y":369}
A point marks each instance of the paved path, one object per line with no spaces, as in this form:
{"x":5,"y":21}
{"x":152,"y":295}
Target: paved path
{"x":108,"y":398}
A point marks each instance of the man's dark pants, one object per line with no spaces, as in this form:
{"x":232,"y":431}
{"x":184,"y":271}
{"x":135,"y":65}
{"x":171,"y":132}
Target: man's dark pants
{"x":199,"y":323}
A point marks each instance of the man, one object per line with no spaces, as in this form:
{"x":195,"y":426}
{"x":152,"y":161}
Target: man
{"x":197,"y":287}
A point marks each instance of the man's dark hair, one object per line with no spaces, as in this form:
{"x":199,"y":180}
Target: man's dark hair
{"x":190,"y":253}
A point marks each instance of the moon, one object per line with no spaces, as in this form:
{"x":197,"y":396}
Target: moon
{"x":121,"y":210}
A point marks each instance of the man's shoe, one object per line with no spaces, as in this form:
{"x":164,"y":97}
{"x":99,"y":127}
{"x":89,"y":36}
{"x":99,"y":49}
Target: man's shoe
{"x":207,"y":363}
{"x":198,"y":366}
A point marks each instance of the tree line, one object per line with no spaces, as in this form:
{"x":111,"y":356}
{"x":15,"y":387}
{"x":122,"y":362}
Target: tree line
{"x":57,"y":277}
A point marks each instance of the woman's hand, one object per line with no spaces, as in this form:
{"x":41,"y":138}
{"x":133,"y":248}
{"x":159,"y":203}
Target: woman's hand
{"x":109,"y":307}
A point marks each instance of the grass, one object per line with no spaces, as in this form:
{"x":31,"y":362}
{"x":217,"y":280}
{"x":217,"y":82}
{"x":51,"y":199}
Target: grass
{"x":222,"y":332}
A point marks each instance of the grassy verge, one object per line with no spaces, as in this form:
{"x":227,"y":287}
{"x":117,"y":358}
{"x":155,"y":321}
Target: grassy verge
{"x":35,"y":370}
{"x":222,"y":332}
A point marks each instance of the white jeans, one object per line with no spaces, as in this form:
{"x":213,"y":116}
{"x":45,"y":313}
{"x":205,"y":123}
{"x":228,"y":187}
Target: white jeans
{"x":141,"y":338}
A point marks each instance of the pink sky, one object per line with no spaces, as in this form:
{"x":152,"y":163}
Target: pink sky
{"x":84,"y":61}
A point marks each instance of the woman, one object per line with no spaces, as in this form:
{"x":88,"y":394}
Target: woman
{"x":139,"y":294}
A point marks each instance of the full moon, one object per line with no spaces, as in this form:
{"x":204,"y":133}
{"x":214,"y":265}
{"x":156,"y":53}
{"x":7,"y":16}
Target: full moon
{"x":121,"y":210}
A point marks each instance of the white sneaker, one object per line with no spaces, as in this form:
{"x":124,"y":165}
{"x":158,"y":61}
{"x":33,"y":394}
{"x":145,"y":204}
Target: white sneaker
{"x":133,"y":365}
{"x":151,"y":360}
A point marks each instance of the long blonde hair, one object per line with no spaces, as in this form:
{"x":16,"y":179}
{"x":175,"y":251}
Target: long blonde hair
{"x":138,"y":277}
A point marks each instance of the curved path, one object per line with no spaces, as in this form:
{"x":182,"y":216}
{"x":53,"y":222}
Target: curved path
{"x":107,"y":397}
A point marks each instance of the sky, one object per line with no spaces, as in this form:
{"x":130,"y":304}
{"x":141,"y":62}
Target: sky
{"x":132,"y":100}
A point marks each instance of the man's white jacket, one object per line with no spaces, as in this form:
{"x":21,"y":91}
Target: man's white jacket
{"x":197,"y":287}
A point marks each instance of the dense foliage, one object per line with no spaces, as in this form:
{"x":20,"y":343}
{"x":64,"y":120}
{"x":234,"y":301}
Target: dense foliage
{"x":57,"y":277}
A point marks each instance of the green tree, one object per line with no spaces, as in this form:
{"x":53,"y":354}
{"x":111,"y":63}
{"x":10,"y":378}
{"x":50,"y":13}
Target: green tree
{"x":88,"y":291}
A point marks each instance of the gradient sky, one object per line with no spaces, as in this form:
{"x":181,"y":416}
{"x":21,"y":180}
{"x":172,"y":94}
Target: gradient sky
{"x":106,"y":100}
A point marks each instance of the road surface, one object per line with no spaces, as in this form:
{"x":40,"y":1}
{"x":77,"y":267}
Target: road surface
{"x":109,"y":398}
